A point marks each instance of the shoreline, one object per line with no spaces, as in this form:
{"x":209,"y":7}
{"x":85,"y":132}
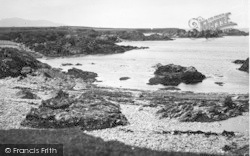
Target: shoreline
{"x":145,"y":128}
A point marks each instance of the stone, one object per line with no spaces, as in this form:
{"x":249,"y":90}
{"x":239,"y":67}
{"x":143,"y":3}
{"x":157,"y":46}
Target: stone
{"x":88,"y":111}
{"x":173,"y":75}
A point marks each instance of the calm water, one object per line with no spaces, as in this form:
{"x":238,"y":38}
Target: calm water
{"x":211,"y":57}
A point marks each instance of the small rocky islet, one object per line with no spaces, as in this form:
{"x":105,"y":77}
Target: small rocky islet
{"x":173,"y":75}
{"x":244,"y":65}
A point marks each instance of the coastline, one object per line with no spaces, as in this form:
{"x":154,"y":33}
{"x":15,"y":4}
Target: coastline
{"x":145,"y":128}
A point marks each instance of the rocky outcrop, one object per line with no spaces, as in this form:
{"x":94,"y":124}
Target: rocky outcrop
{"x":88,"y":111}
{"x":85,"y":75}
{"x":174,"y":75}
{"x":204,"y":110}
{"x":245,"y":66}
{"x":17,"y":63}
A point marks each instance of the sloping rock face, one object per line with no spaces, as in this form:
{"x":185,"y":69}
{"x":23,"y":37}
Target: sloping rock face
{"x":85,"y":75}
{"x":88,"y":111}
{"x":245,"y":66}
{"x":15,"y":63}
{"x":175,"y":74}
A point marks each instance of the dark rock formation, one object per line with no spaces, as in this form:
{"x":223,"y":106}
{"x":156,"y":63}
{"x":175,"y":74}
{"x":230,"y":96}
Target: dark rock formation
{"x":78,"y":64}
{"x":174,"y":74}
{"x":88,"y":111}
{"x":67,"y":64}
{"x":239,"y":61}
{"x":85,"y":75}
{"x":245,"y":66}
{"x":15,"y":63}
{"x":124,"y":78}
{"x":204,"y":110}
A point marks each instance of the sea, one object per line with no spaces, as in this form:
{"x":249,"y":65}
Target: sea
{"x":213,"y":57}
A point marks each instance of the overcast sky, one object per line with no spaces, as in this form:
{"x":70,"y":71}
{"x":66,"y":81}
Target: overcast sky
{"x":124,"y":13}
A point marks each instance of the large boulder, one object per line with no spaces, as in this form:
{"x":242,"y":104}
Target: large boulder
{"x":15,"y":63}
{"x":245,"y":66}
{"x":88,"y":111}
{"x":175,"y":74}
{"x":85,"y":75}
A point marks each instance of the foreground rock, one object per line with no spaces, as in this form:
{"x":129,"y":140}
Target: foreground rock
{"x":87,"y":111}
{"x":204,"y":110}
{"x":85,"y":75}
{"x":245,"y":66}
{"x":175,"y":74}
{"x":17,"y":63}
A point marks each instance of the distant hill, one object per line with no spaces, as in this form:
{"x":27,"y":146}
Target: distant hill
{"x":19,"y":22}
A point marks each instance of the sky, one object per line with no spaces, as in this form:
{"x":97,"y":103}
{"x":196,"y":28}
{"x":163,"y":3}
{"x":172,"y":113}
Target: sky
{"x":124,"y":13}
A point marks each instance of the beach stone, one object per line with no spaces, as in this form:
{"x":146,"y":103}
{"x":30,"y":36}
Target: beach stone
{"x":175,"y":74}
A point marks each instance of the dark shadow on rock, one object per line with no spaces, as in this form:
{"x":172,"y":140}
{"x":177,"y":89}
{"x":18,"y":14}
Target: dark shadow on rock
{"x":77,"y":143}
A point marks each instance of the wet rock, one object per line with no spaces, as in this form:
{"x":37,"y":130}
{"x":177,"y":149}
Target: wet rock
{"x":245,"y":66}
{"x":239,"y":61}
{"x":88,"y":111}
{"x":228,"y":134}
{"x":124,"y":78}
{"x":17,"y":63}
{"x":85,"y":75}
{"x":67,"y":64}
{"x":174,"y":75}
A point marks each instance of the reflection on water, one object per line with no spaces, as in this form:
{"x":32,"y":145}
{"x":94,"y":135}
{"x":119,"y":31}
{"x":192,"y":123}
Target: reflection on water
{"x":211,"y":57}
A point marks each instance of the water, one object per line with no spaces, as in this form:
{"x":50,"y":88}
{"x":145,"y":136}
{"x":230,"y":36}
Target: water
{"x":211,"y":57}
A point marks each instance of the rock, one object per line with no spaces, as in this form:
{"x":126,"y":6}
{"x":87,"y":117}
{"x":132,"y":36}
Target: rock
{"x":245,"y":66}
{"x":17,"y":63}
{"x":26,"y":70}
{"x":124,"y":78}
{"x":60,"y":101}
{"x":174,"y":74}
{"x":219,"y":83}
{"x":170,"y":88}
{"x":239,"y":61}
{"x":89,"y":111}
{"x":85,"y":75}
{"x":67,"y":64}
{"x":202,"y":111}
{"x":78,"y":64}
{"x":157,"y":65}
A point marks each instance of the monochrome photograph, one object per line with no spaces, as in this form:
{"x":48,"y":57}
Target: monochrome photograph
{"x":124,"y":78}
